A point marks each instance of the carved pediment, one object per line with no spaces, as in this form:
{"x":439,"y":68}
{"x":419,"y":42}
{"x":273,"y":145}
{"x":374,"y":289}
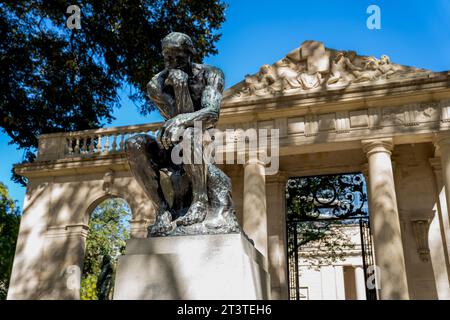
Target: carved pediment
{"x":314,"y":67}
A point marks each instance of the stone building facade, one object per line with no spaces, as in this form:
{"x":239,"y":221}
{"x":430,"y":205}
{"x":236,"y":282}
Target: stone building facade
{"x":336,"y":112}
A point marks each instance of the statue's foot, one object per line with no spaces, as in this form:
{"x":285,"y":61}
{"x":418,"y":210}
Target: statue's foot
{"x":161,"y":230}
{"x":196,"y":213}
{"x":163,"y":224}
{"x":215,"y":223}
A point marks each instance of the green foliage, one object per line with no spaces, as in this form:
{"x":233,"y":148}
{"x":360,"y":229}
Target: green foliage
{"x":108,"y":231}
{"x":55,"y":79}
{"x":9,"y":229}
{"x":325,"y":243}
{"x":89,"y":288}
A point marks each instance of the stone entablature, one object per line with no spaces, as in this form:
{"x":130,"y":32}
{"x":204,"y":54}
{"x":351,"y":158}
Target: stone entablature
{"x":417,"y":121}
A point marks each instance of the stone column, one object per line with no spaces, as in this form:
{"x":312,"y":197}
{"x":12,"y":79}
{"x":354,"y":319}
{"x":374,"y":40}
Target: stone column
{"x":385,"y":220}
{"x":340,"y":284}
{"x":443,"y":181}
{"x":63,"y":257}
{"x":328,"y":283}
{"x":27,"y":268}
{"x":236,"y":173}
{"x":360,"y":283}
{"x":439,"y":233}
{"x":276,"y":229}
{"x":255,"y":209}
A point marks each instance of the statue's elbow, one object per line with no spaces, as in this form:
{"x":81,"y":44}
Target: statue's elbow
{"x":214,"y":116}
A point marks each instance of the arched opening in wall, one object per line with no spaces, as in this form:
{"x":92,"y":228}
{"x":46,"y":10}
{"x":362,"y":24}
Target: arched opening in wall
{"x":109,"y":228}
{"x":330,"y":252}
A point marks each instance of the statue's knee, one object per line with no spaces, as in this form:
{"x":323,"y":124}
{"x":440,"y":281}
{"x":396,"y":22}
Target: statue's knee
{"x":136,"y":143}
{"x":188,"y":133}
{"x":194,"y":136}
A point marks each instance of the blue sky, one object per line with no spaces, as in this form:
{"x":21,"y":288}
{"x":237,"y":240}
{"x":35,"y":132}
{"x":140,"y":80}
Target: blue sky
{"x":415,"y":33}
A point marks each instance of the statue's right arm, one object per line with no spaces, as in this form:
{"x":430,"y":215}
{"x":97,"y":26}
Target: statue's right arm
{"x":163,"y":101}
{"x":350,"y":65}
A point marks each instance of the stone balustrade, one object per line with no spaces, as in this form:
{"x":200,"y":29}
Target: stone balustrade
{"x":297,"y":133}
{"x":89,"y":143}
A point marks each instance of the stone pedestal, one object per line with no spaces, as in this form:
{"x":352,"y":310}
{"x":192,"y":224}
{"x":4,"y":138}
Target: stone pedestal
{"x":192,"y":267}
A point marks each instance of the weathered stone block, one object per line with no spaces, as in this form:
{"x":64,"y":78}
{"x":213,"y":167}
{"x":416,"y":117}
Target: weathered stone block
{"x":192,"y":267}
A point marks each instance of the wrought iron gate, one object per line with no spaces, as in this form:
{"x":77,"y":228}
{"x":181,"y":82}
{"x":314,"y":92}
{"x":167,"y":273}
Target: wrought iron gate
{"x":367,"y":257}
{"x":316,"y":205}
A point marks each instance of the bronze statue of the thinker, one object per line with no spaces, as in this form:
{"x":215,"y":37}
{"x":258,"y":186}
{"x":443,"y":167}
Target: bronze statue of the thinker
{"x":192,"y":197}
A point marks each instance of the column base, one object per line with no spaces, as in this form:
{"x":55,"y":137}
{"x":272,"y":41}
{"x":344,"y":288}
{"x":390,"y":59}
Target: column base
{"x":217,"y":267}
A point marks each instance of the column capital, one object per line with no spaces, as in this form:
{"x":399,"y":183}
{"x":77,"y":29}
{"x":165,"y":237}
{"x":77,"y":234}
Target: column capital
{"x":248,"y":157}
{"x":371,"y":146}
{"x":65,"y":231}
{"x":442,"y":139}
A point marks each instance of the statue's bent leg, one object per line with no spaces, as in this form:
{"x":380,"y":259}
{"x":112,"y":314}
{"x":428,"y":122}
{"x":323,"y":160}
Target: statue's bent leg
{"x":143,"y":153}
{"x":222,"y":213}
{"x":197,"y":172}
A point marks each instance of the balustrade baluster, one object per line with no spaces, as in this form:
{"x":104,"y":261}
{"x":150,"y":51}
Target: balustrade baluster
{"x":114,"y":144}
{"x":106,"y":151}
{"x":68,"y":148}
{"x":99,"y":143}
{"x":83,"y":148}
{"x":91,"y":145}
{"x":77,"y":146}
{"x":122,"y":141}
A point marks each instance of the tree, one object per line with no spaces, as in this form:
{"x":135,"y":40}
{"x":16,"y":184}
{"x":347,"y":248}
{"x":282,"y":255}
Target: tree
{"x":54,"y":78}
{"x":108,"y":231}
{"x":9,"y":229}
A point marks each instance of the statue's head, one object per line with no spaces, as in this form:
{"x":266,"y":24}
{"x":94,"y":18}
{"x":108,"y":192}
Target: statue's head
{"x":351,"y":54}
{"x":338,"y":55}
{"x":177,"y":49}
{"x":265,"y":69}
{"x":106,"y":259}
{"x":371,"y":63}
{"x":385,"y":59}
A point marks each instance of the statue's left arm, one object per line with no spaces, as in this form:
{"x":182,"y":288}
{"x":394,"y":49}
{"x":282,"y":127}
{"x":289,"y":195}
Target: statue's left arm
{"x":211,"y":99}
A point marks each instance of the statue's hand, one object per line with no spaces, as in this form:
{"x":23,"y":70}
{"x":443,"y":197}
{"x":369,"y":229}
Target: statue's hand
{"x":171,"y":132}
{"x":177,"y":78}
